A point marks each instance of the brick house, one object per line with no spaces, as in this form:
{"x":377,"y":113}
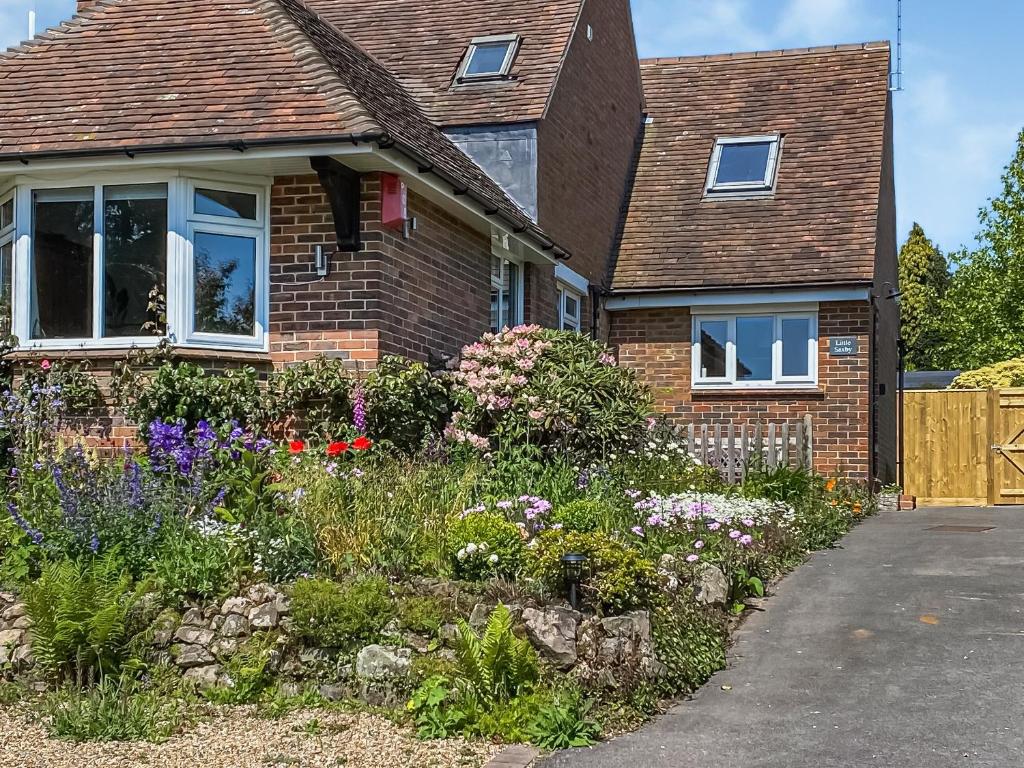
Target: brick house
{"x":264,"y":181}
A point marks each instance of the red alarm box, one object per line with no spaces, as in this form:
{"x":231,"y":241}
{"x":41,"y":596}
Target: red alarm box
{"x":394,"y":201}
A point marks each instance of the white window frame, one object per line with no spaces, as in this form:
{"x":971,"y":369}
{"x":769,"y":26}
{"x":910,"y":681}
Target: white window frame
{"x":517,"y":301}
{"x":567,"y":322}
{"x":778,"y":381}
{"x":512,"y":41}
{"x":8,"y":235}
{"x":765,"y":185}
{"x":181,"y":226}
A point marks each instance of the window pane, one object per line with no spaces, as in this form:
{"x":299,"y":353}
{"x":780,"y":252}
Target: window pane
{"x":62,"y":255}
{"x":796,"y":332}
{"x":7,"y":214}
{"x":487,"y":59}
{"x":6,"y":262}
{"x":135,"y":259}
{"x":225,"y":284}
{"x":496,"y":280}
{"x":740,"y":163}
{"x":754,"y":339}
{"x":572,"y":307}
{"x":510,"y":307}
{"x":231,"y":205}
{"x":713,"y":337}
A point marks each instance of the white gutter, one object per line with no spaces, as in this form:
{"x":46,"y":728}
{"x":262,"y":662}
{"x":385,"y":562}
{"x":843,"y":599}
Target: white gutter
{"x":659,"y":300}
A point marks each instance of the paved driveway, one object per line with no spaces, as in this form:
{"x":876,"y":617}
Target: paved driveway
{"x":905,"y":648}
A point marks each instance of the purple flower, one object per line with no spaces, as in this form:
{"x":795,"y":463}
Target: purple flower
{"x":504,"y":505}
{"x":692,"y":558}
{"x":35,"y":535}
{"x":359,"y":411}
{"x":746,"y":540}
{"x":637,"y":530}
{"x":747,"y":522}
{"x":714,"y":526}
{"x":734,"y":534}
{"x":698,"y":544}
{"x":94,"y":544}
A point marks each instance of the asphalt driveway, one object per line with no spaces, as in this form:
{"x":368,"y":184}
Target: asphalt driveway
{"x":903,"y":649}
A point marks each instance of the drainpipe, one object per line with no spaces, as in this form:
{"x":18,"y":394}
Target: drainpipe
{"x":902,"y":348}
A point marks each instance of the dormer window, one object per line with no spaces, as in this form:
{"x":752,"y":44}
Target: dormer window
{"x":488,"y":58}
{"x":743,"y":165}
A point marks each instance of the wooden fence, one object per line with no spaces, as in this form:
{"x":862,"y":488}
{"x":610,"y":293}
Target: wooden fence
{"x":735,"y":448}
{"x":964,"y":447}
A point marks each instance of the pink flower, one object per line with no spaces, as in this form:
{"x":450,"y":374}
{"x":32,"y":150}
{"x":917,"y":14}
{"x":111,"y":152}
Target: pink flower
{"x":746,"y":540}
{"x":46,"y":365}
{"x":698,"y":544}
{"x":734,"y":534}
{"x":692,"y":558}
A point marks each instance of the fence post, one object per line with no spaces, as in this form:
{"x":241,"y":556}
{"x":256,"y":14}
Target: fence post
{"x":785,"y":444}
{"x":731,"y":453}
{"x":744,"y":453}
{"x":800,"y":463}
{"x":773,"y":455}
{"x":809,"y":441}
{"x":689,"y":439}
{"x":704,"y":443}
{"x":758,"y":449}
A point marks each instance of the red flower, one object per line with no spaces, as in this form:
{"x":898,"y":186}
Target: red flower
{"x":337,"y":448}
{"x":362,"y":443}
{"x":296,"y":446}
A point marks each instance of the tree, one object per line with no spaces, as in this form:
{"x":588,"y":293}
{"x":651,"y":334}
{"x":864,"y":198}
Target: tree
{"x":924,"y":277}
{"x":982,"y":312}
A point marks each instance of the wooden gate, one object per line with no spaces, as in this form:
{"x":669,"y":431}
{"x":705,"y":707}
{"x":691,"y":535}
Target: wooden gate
{"x":964,"y":447}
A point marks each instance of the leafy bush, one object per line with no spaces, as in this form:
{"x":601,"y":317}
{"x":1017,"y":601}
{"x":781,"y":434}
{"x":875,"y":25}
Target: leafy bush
{"x":564,"y":722}
{"x":482,"y":545}
{"x":406,"y":404}
{"x":80,"y":617}
{"x":317,"y":392}
{"x":350,"y":615}
{"x":581,"y":516}
{"x":619,"y":578}
{"x":495,"y":666}
{"x":117,"y":709}
{"x":1009,"y":373}
{"x":690,"y":641}
{"x":557,"y":390}
{"x":423,"y":614}
{"x":198,"y":560}
{"x":249,"y":671}
{"x":784,"y":483}
{"x":185,"y":391}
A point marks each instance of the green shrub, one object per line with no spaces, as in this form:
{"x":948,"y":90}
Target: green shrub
{"x":784,"y":483}
{"x":326,"y":614}
{"x":423,"y":614}
{"x":80,"y":617}
{"x":564,"y":722}
{"x":557,"y":390}
{"x":619,"y":578}
{"x":1009,"y":373}
{"x":495,"y":666}
{"x":195,"y":564}
{"x":406,"y":404}
{"x":249,"y":671}
{"x":690,"y":641}
{"x":318,"y":391}
{"x":482,"y":545}
{"x":114,"y":710}
{"x":581,"y":516}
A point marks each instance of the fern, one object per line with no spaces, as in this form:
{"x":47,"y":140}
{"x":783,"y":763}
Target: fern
{"x":496,"y":666}
{"x":79,"y":613}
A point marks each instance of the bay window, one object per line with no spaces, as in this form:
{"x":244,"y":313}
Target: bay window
{"x":756,"y":349}
{"x":129,"y":262}
{"x":506,"y":294}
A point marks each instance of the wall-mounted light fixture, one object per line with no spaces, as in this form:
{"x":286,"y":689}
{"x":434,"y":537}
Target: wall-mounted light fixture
{"x":323,"y":261}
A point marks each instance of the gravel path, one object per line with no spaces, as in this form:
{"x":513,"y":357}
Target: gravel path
{"x":237,"y":739}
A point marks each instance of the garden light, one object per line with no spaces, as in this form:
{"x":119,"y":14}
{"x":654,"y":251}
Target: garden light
{"x":573,"y":565}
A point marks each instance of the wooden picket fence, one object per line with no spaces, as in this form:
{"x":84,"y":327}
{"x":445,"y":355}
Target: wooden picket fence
{"x":735,"y":448}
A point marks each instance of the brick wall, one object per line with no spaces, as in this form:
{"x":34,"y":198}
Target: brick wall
{"x":656,"y":342}
{"x":586,"y":141}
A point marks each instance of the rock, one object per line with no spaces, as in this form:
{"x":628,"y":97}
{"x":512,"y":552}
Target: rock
{"x":194,"y":635}
{"x":224,"y":647}
{"x":333,"y":692}
{"x":635,"y":626}
{"x":206,"y":676}
{"x":261,"y":593}
{"x":710,"y":585}
{"x":193,"y":617}
{"x":283,"y":604}
{"x":22,"y":658}
{"x":239,"y":605}
{"x":448,"y":633}
{"x":23,"y":622}
{"x":16,"y":611}
{"x":379,"y":662}
{"x":553,"y":633}
{"x":234,"y":626}
{"x":314,"y":656}
{"x":479,"y":615}
{"x":6,"y":598}
{"x":188,"y":656}
{"x":264,"y":616}
{"x":290,"y":689}
{"x":216,"y":623}
{"x":11,"y":637}
{"x":669,"y":572}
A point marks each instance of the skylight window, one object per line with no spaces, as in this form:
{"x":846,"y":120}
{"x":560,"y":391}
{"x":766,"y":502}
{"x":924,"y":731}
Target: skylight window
{"x":488,"y":58}
{"x":743,"y":165}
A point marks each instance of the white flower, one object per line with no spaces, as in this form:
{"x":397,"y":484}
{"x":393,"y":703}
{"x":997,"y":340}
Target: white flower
{"x":471,"y":549}
{"x":461,"y":555}
{"x":493,"y":559}
{"x":483,"y":546}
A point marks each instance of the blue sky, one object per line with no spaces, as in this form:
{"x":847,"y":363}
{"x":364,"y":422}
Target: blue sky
{"x":956,"y":120}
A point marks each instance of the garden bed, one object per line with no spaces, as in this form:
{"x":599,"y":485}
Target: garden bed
{"x":515,"y":549}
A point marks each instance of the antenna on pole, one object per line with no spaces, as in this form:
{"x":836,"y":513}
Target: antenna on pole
{"x":31,"y":24}
{"x":896,"y":76}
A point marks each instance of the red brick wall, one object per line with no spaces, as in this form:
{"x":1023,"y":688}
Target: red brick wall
{"x":656,"y":342}
{"x":586,"y":141}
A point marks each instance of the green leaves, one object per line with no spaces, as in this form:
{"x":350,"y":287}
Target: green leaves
{"x":497,"y":666}
{"x":924,"y":277}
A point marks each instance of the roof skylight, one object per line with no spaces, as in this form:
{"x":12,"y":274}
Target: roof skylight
{"x":743,"y":164}
{"x":488,"y":58}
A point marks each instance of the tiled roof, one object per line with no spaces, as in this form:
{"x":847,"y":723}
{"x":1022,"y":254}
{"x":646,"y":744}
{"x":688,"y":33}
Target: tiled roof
{"x":820,"y":225}
{"x":137,"y":73}
{"x":423,"y":42}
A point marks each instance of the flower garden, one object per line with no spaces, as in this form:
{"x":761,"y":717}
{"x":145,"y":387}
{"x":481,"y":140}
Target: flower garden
{"x":511,"y":549}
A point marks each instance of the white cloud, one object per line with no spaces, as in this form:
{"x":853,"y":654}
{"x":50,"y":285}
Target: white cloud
{"x":14,"y":18}
{"x":817,"y":22}
{"x":698,"y":26}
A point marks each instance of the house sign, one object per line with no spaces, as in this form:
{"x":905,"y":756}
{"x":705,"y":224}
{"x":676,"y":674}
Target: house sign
{"x":842,"y":346}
